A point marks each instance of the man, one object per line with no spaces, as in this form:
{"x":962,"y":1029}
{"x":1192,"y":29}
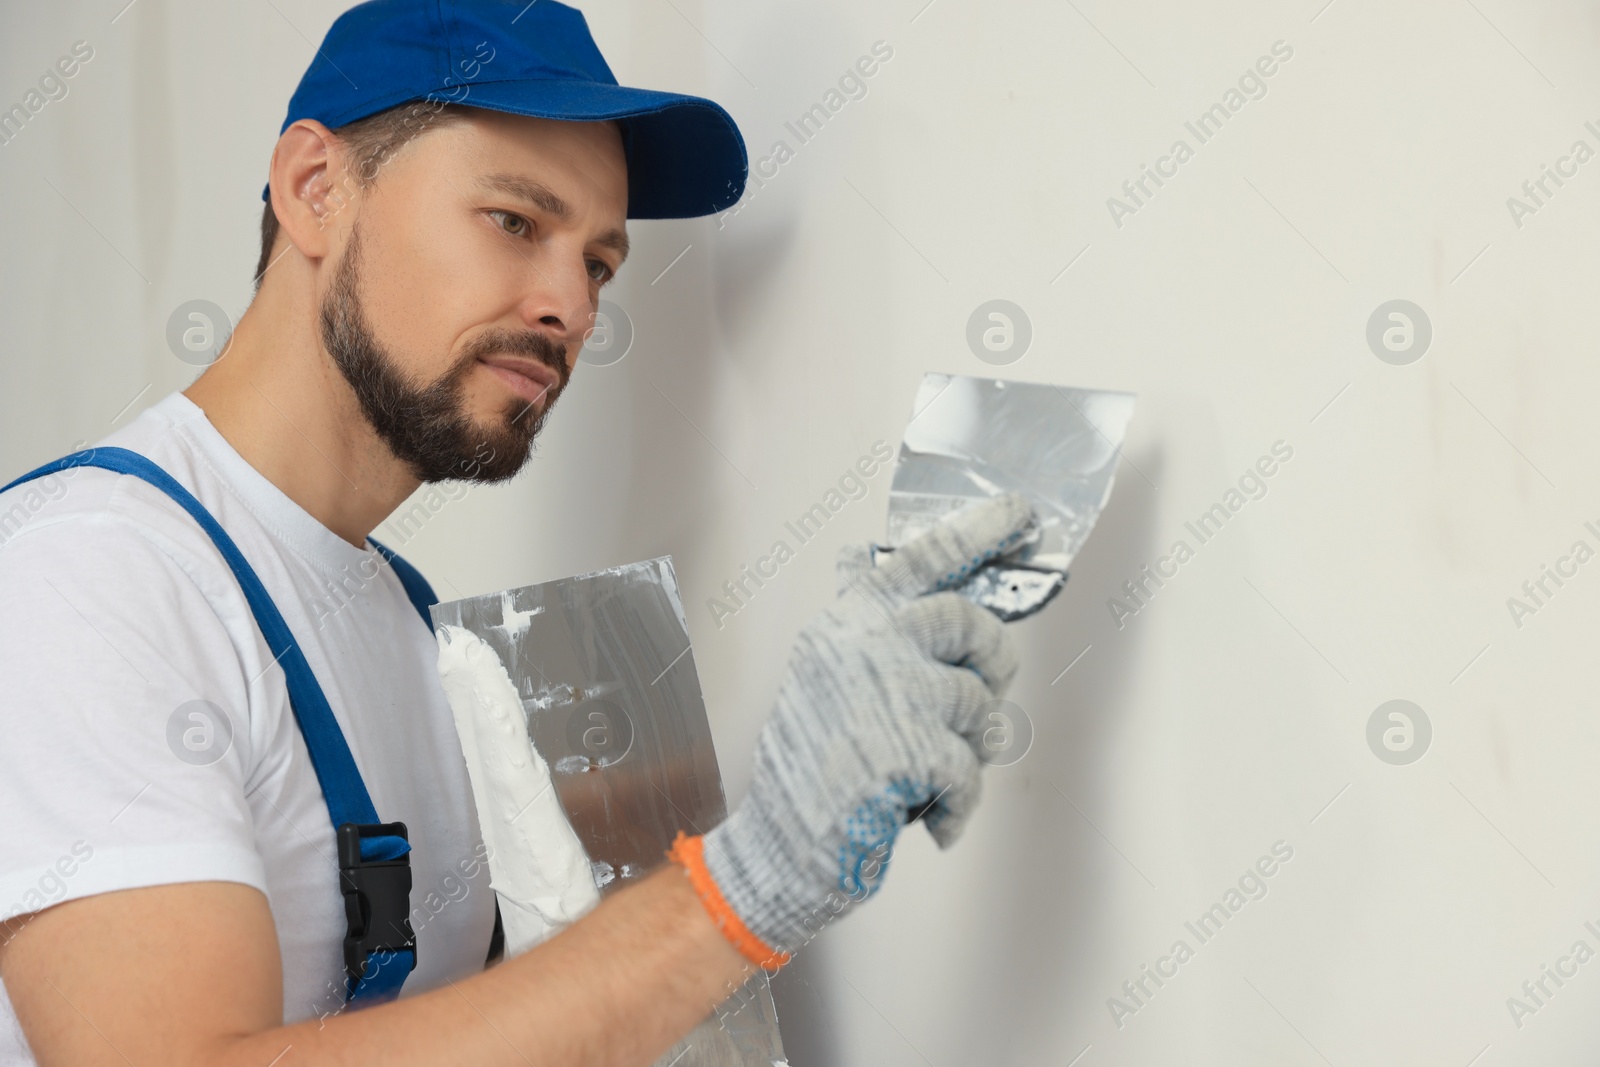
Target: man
{"x":185,"y":721}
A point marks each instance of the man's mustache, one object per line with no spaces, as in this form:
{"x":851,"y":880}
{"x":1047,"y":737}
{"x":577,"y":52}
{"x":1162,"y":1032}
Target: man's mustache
{"x":533,"y":345}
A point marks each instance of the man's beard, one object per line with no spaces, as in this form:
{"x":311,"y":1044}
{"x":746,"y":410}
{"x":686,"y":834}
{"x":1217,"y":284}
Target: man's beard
{"x":427,"y":427}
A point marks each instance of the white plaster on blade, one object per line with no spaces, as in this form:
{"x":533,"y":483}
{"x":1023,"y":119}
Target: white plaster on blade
{"x":537,"y":865}
{"x":512,"y":621}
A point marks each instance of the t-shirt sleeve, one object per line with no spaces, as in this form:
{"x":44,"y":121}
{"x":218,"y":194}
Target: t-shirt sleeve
{"x":124,"y":728}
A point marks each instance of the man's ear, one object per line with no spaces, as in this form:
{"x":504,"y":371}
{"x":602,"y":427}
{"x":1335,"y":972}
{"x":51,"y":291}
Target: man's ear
{"x":308,"y":185}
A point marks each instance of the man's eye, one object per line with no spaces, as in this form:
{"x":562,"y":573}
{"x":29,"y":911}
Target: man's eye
{"x":511,"y":225}
{"x":599,"y":271}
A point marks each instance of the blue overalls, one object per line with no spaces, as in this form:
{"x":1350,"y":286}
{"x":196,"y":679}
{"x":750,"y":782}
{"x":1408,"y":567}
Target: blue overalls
{"x":380,"y":948}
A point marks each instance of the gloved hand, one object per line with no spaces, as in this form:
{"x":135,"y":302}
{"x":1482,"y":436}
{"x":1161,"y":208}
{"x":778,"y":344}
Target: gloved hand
{"x":880,"y":713}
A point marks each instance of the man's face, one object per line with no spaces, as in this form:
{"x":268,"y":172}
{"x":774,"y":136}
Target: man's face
{"x":467,"y":282}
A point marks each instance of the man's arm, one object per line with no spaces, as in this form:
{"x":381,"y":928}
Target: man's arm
{"x":190,"y":975}
{"x":882,"y":711}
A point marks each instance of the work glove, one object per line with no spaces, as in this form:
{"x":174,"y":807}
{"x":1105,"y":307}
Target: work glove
{"x":880,"y":714}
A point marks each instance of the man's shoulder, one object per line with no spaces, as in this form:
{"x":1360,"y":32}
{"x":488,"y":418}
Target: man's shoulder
{"x":94,"y":509}
{"x":93,"y":504}
{"x":90,"y":558}
{"x":110,"y":553}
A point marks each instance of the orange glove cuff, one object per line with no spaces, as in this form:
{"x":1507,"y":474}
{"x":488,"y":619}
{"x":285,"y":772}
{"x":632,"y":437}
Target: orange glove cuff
{"x":689,"y":853}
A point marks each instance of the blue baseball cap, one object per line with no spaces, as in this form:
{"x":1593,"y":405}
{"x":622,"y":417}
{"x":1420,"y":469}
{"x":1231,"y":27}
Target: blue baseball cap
{"x":685,"y":154}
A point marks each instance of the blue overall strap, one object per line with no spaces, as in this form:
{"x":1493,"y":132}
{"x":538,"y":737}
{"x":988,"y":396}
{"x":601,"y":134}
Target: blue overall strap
{"x":349,"y":805}
{"x":423,"y":598}
{"x":416,"y":586}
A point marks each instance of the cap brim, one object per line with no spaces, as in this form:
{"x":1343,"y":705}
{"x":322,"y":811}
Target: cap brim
{"x":685,"y":155}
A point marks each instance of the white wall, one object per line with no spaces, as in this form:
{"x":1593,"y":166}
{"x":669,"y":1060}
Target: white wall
{"x":1228,"y":713}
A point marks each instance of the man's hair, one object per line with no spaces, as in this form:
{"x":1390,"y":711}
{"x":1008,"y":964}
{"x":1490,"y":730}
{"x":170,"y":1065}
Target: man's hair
{"x":371,"y":142}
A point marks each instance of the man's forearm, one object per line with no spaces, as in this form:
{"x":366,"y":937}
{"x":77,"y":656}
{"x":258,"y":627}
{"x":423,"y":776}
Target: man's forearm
{"x":617,"y":988}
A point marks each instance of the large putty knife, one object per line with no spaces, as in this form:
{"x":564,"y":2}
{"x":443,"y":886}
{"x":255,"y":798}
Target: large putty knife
{"x":603,"y":669}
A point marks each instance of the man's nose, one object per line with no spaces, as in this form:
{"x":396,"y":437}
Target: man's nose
{"x":558,"y":300}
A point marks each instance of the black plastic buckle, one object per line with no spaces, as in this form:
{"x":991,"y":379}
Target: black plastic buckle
{"x":377,"y":898}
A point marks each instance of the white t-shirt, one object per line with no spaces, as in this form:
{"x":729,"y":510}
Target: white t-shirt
{"x":117,"y":614}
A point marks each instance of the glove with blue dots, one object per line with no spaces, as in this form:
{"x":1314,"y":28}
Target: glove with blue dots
{"x":880,"y":714}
